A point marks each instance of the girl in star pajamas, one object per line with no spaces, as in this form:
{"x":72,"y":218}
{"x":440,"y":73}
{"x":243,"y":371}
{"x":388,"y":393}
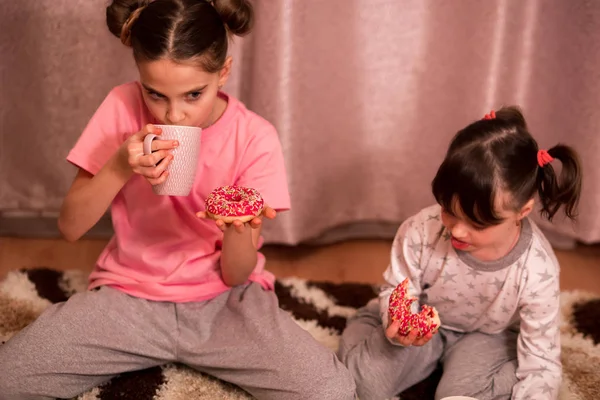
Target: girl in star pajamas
{"x":484,"y":265}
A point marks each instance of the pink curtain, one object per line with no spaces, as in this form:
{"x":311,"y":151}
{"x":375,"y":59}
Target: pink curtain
{"x":365,"y":95}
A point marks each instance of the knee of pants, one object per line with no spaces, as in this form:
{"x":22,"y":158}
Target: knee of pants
{"x":446,"y":388}
{"x":467,"y":387}
{"x":497,"y":386}
{"x":366,"y":389}
{"x":368,"y":384}
{"x":342,"y":388}
{"x":14,"y":383}
{"x":336,"y":384}
{"x":9,"y":384}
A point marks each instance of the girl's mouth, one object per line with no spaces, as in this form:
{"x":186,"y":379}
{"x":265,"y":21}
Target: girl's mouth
{"x":459,"y":244}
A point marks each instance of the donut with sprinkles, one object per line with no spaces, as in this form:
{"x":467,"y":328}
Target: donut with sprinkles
{"x":427,"y":320}
{"x":231,"y":203}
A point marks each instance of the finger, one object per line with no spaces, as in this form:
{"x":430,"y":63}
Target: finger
{"x":413,"y":336}
{"x":239,"y":226}
{"x":255,"y":223}
{"x":202,"y":214}
{"x":403,"y":340}
{"x":409,"y":339}
{"x":269,"y":213}
{"x":135,"y":150}
{"x":156,"y":171}
{"x":164,"y":163}
{"x":392,"y":329}
{"x":153,"y":159}
{"x":149,"y":128}
{"x":423,"y":340}
{"x":161,"y":179}
{"x":221,"y":225}
{"x":164,"y":144}
{"x":138,"y":158}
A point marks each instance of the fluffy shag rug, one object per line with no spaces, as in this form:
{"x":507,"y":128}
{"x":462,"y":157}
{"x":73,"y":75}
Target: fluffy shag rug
{"x":319,"y":307}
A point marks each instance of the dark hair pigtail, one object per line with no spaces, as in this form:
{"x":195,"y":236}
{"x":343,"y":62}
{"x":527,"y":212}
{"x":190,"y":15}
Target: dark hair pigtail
{"x":565,"y":189}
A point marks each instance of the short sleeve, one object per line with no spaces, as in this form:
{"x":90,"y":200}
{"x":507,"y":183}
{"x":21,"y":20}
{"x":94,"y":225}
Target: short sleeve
{"x":263,"y":167}
{"x":117,"y":117}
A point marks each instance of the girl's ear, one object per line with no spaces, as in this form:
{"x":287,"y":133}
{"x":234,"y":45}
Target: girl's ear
{"x":225,"y":71}
{"x":526,"y":209}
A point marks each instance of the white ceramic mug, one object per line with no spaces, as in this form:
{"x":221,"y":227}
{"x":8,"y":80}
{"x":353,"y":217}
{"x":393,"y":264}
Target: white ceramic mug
{"x":182,"y":169}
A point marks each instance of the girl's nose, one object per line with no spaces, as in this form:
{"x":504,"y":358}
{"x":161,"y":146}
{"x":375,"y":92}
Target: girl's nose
{"x":458,"y":231}
{"x":174,"y":116}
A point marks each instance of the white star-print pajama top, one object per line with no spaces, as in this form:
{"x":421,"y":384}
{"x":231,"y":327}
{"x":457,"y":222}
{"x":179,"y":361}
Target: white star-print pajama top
{"x":515,"y":299}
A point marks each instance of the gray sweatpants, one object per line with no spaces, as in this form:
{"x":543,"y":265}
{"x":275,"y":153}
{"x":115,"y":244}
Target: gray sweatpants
{"x":241,"y":336}
{"x":475,"y":364}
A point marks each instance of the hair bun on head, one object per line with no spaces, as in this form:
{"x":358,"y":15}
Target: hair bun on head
{"x":121,"y":16}
{"x":126,"y":29}
{"x":237,"y":15}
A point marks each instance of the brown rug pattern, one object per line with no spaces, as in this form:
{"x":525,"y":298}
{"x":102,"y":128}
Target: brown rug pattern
{"x":319,"y":307}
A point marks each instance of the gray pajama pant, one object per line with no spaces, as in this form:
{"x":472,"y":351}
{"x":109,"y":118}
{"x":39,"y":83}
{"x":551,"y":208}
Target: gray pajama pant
{"x":475,"y":364}
{"x":241,"y":336}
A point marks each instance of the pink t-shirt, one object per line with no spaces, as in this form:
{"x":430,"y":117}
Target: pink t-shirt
{"x":160,"y":249}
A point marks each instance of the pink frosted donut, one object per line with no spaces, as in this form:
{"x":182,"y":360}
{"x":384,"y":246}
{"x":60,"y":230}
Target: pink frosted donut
{"x":399,"y":310}
{"x":230,"y":203}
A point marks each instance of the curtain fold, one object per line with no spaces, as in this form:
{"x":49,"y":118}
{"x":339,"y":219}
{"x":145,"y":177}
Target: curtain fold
{"x":365,"y":94}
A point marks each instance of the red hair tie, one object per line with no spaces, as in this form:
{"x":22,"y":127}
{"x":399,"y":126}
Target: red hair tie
{"x":544,"y":158}
{"x":491,"y":115}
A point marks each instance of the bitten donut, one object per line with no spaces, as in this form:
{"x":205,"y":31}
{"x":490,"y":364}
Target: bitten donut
{"x":399,"y":310}
{"x":231,"y":203}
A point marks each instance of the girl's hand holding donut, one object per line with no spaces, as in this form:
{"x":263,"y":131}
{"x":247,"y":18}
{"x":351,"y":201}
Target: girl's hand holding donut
{"x":236,"y":206}
{"x":406,"y":327}
{"x":412,"y":339}
{"x":152,"y":166}
{"x":238,"y":224}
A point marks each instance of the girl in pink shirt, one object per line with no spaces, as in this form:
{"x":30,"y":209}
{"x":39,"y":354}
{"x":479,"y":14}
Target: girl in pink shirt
{"x":173,"y":285}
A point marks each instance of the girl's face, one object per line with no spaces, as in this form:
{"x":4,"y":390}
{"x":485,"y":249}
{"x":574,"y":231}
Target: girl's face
{"x":182,"y":93}
{"x":485,"y":243}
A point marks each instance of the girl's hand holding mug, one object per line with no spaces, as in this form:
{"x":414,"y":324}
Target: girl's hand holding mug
{"x":152,"y":166}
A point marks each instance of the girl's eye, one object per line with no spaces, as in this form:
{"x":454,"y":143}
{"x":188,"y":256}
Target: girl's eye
{"x":155,"y":96}
{"x":448,"y":213}
{"x":479,"y":227}
{"x":194,"y":95}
